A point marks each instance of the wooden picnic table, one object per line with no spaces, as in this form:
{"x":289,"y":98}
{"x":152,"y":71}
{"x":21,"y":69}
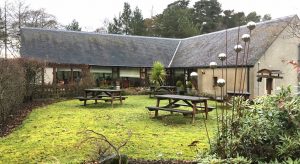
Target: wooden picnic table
{"x":189,"y":101}
{"x":162,"y":90}
{"x":108,"y":95}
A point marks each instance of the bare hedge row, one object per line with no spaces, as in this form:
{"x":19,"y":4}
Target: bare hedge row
{"x":20,"y":82}
{"x":12,"y":87}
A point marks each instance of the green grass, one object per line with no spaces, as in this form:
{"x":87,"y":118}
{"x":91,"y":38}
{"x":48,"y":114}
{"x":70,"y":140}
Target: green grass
{"x":52,"y":133}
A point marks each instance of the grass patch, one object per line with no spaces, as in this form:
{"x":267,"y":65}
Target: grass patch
{"x":52,"y":133}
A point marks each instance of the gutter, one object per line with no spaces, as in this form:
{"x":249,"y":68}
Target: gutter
{"x":174,"y":54}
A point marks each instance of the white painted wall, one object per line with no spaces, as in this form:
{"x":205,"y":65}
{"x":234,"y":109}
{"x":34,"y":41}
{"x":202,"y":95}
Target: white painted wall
{"x":48,"y":75}
{"x":276,"y":57}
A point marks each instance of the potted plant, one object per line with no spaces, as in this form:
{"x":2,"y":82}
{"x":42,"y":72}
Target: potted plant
{"x":158,"y":73}
{"x":179,"y":86}
{"x":189,"y":86}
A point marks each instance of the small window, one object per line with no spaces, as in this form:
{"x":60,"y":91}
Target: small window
{"x":215,"y":79}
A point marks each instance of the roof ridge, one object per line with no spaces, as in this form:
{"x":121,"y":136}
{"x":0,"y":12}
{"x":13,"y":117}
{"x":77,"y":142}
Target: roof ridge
{"x":174,"y":54}
{"x":95,"y":33}
{"x":235,"y":28}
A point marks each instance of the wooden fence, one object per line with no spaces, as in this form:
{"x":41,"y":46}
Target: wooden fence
{"x":56,"y":91}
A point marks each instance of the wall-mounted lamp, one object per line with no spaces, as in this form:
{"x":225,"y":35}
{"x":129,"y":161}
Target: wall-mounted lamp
{"x":193,"y":74}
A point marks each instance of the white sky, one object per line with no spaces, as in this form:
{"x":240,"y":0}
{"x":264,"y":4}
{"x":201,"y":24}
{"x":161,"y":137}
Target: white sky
{"x":91,"y":13}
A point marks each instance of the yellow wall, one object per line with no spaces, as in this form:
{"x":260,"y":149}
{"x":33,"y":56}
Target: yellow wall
{"x":282,"y":50}
{"x":205,"y":80}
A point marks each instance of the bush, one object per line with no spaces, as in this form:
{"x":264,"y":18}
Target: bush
{"x":158,"y":73}
{"x":33,"y":77}
{"x":134,"y":91}
{"x":179,"y":84}
{"x":189,"y":84}
{"x":209,"y":159}
{"x":12,"y":87}
{"x":265,"y":131}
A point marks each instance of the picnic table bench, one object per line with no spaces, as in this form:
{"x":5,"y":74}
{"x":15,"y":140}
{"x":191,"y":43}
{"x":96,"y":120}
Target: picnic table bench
{"x":108,"y":95}
{"x":184,"y":112}
{"x":105,"y":98}
{"x":161,"y":90}
{"x":189,"y":101}
{"x":210,"y":108}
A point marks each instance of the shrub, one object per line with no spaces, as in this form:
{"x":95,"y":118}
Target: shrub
{"x":179,"y":83}
{"x":264,"y":131}
{"x":158,"y":73}
{"x":134,"y":91}
{"x":33,"y":77}
{"x":189,"y":84}
{"x":12,"y":87}
{"x":209,"y":159}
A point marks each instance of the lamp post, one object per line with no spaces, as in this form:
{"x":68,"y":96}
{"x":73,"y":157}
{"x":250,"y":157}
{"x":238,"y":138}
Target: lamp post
{"x":194,"y":75}
{"x":245,"y":38}
{"x":222,"y":57}
{"x":221,"y":83}
{"x":213,"y":65}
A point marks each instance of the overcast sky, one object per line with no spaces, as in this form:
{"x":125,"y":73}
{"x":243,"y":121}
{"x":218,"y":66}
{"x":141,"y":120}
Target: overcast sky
{"x":91,"y":13}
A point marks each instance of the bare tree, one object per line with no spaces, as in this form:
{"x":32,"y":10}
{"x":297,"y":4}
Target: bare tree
{"x":15,"y":15}
{"x":107,"y":150}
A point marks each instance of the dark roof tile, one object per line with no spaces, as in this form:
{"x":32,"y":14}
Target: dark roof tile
{"x":70,"y":47}
{"x":200,"y":50}
{"x":95,"y":49}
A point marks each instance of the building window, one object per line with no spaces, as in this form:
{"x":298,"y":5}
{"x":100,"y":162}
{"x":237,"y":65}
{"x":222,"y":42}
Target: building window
{"x":64,"y":75}
{"x":215,"y":80}
{"x":130,"y":77}
{"x":102,"y":76}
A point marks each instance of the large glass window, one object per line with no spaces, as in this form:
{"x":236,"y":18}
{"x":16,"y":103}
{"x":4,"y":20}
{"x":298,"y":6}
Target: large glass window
{"x":130,"y":72}
{"x":179,"y":75}
{"x":64,"y":75}
{"x":102,"y":76}
{"x":130,"y":77}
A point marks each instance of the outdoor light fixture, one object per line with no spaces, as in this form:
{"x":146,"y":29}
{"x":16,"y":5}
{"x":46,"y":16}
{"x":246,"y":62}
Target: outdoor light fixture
{"x":238,"y":48}
{"x":246,"y":37}
{"x":193,"y":74}
{"x":222,"y":56}
{"x":221,"y":82}
{"x":251,"y":25}
{"x":213,"y":65}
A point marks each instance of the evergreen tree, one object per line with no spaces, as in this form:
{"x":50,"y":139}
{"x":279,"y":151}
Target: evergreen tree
{"x":116,"y":26}
{"x":73,"y":26}
{"x":176,"y":21}
{"x":126,"y":17}
{"x":266,"y":17}
{"x":207,"y":15}
{"x":253,"y":17}
{"x":137,"y":23}
{"x":128,"y":23}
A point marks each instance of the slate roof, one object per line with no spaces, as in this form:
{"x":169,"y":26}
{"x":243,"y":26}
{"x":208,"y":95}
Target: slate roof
{"x":200,"y":50}
{"x":70,"y":47}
